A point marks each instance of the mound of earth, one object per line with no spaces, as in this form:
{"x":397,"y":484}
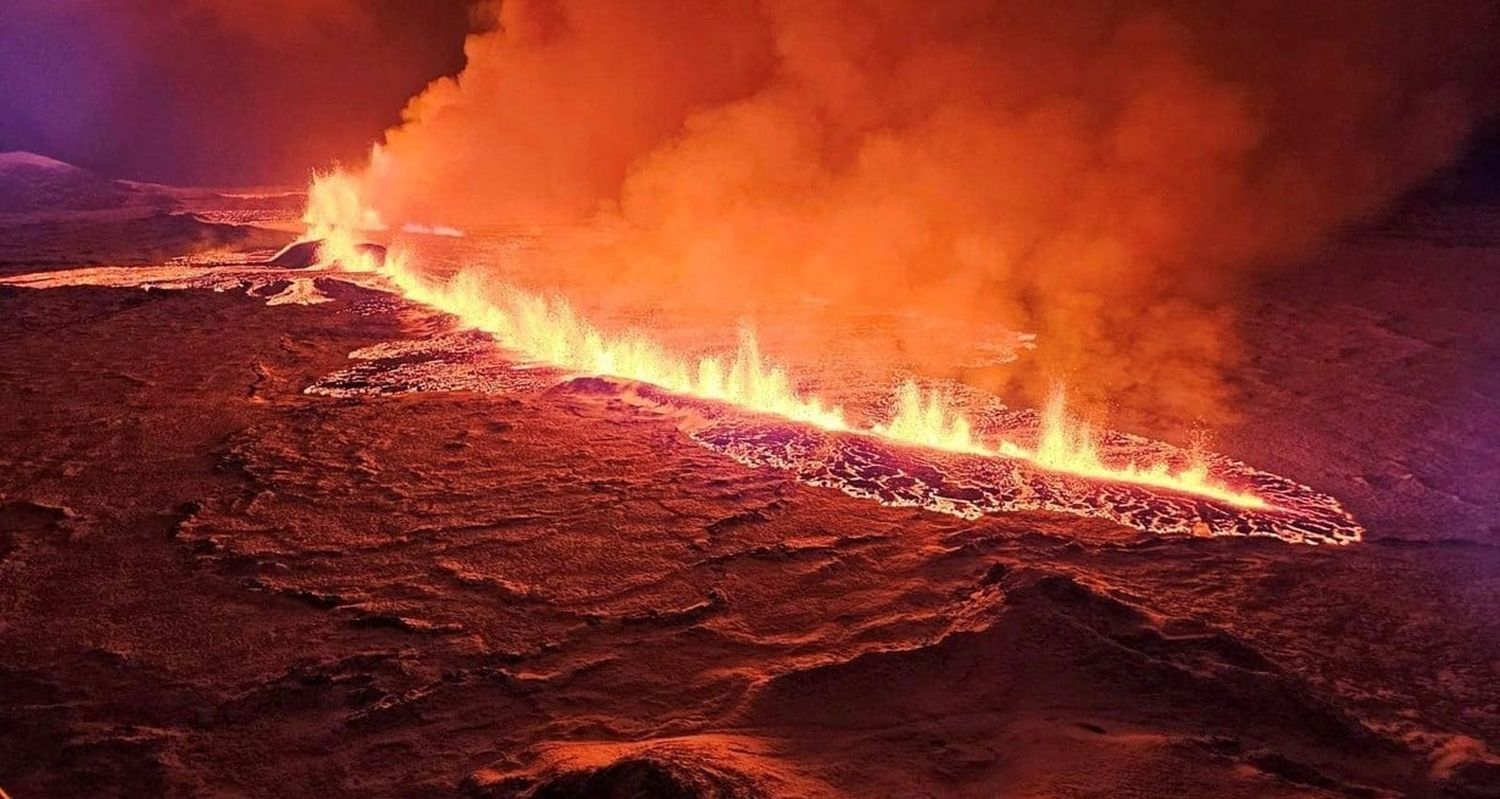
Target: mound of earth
{"x":30,"y":182}
{"x":54,"y":213}
{"x":709,"y":766}
{"x":304,"y":254}
{"x":656,"y":776}
{"x":1046,"y":655}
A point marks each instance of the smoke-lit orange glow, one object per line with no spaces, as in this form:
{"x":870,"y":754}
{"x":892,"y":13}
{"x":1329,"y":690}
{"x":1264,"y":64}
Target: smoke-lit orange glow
{"x":930,"y":420}
{"x":1064,"y":444}
{"x":549,"y":331}
{"x":336,"y":212}
{"x":1104,"y":176}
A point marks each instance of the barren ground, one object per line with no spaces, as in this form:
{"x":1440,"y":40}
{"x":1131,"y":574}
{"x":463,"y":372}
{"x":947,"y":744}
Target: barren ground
{"x":215,"y":584}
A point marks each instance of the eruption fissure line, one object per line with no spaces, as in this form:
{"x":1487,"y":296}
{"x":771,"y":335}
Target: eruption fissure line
{"x":549,"y":331}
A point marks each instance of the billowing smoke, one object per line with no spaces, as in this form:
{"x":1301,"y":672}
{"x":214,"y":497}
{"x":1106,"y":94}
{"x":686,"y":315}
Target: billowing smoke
{"x":1103,"y":174}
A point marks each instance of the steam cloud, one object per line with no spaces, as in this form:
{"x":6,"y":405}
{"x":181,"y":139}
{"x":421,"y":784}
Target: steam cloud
{"x":1099,"y":173}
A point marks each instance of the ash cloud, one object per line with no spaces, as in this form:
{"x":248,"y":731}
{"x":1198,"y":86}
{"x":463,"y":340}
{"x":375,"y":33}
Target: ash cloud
{"x":1104,"y":174}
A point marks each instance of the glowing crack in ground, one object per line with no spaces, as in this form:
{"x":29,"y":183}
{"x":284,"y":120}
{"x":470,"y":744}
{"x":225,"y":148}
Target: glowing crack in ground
{"x":967,"y":486}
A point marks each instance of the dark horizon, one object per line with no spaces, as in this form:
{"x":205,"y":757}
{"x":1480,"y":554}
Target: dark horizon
{"x":216,"y":92}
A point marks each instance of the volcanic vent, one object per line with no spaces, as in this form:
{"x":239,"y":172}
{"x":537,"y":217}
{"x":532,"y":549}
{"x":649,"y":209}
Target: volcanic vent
{"x":929,"y":454}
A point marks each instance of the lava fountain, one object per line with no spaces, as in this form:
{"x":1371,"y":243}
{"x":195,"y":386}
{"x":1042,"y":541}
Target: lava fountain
{"x":547,"y":330}
{"x":927,"y":453}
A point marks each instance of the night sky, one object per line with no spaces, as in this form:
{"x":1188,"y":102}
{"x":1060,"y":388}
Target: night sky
{"x":216,"y":92}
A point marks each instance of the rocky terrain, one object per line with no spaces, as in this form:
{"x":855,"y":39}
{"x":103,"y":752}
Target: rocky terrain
{"x":215,"y":582}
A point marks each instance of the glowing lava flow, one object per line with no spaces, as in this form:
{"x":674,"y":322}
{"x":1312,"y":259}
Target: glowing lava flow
{"x":548,"y":331}
{"x":1065,"y":445}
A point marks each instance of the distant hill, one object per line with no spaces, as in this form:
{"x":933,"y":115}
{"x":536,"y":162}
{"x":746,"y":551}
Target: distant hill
{"x":31,"y":182}
{"x":54,"y":213}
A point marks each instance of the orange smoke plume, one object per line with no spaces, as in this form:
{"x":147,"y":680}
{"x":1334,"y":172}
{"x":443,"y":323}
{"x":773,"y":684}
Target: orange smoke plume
{"x":1101,"y":174}
{"x":547,"y":330}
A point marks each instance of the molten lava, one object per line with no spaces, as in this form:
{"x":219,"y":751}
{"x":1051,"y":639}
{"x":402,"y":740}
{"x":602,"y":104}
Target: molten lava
{"x":548,"y":330}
